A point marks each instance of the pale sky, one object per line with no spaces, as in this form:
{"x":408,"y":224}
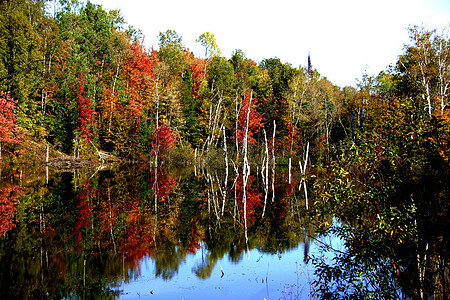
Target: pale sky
{"x":345,"y":37}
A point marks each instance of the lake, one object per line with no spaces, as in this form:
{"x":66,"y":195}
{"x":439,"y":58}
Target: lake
{"x":140,"y":232}
{"x":163,"y":234}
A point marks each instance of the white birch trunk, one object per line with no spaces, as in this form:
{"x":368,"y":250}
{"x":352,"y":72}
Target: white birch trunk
{"x":112,"y":95}
{"x":303,"y":172}
{"x":265,"y":173}
{"x":156,"y":150}
{"x":443,"y":71}
{"x":290,"y":165}
{"x":110,"y":220}
{"x":215,"y":122}
{"x":237,"y":111}
{"x":226,"y":168}
{"x":273,"y":161}
{"x":246,"y":171}
{"x":46,"y":162}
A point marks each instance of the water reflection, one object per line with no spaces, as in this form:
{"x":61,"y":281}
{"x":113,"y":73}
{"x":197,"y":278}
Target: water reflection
{"x":86,"y":234}
{"x":199,"y":233}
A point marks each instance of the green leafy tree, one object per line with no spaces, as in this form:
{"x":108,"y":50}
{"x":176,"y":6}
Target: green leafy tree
{"x":274,"y":106}
{"x":208,"y":41}
{"x":24,"y":30}
{"x":190,"y":111}
{"x":170,"y":51}
{"x":93,"y":46}
{"x":423,"y":69}
{"x":242,"y":69}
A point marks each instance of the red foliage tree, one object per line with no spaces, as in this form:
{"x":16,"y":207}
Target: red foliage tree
{"x":138,"y":240}
{"x":293,"y":138}
{"x":164,"y":184}
{"x":194,"y":236}
{"x":9,"y":130}
{"x":165,"y":139}
{"x":255,"y":198}
{"x":85,"y":116}
{"x":9,"y":197}
{"x":255,"y":120}
{"x":84,"y":212}
{"x":126,"y":104}
{"x":197,"y":74}
{"x":139,"y":69}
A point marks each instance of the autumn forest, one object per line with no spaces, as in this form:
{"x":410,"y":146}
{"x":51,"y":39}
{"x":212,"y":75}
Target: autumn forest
{"x":82,"y":81}
{"x":77,"y":82}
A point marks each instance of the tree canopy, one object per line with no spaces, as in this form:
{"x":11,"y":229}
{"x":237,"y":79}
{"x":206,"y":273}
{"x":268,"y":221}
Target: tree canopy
{"x":83,"y":81}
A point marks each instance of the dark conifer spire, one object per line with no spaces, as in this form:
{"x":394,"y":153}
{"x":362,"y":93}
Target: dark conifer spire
{"x":310,"y":70}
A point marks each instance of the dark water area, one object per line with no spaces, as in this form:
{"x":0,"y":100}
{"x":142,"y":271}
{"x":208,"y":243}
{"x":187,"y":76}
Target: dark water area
{"x":163,"y":234}
{"x":139,"y":232}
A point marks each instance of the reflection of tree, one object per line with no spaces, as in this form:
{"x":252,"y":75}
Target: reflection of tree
{"x":190,"y":234}
{"x":167,"y":260}
{"x":204,"y":268}
{"x":84,"y":211}
{"x":254,"y":198}
{"x":391,"y":192}
{"x":356,"y":273}
{"x":110,"y":219}
{"x":8,"y":199}
{"x":164,"y":183}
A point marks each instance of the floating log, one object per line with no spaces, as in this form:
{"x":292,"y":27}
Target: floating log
{"x":67,"y":163}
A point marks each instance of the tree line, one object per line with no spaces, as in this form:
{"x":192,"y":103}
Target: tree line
{"x":78,"y":78}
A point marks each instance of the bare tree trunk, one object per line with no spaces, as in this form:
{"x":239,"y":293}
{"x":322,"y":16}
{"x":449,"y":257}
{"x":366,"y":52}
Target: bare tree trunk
{"x":273,"y":161}
{"x":46,"y":163}
{"x":156,"y":150}
{"x":43,"y":76}
{"x":237,"y":111}
{"x":110,"y":220}
{"x":76,"y":148}
{"x":326,"y":118}
{"x":44,"y":90}
{"x":46,"y":152}
{"x":155,"y":195}
{"x":195,"y":161}
{"x":246,"y":171}
{"x":303,"y":172}
{"x":306,"y":195}
{"x":290,"y":150}
{"x":443,"y":71}
{"x":265,"y":173}
{"x":226,"y":167}
{"x":235,"y":208}
{"x":157,"y":103}
{"x":212,"y":195}
{"x":244,"y":199}
{"x":428,"y":96}
{"x":290,"y":165}
{"x":214,"y":122}
{"x":112,"y":95}
{"x":425,"y":83}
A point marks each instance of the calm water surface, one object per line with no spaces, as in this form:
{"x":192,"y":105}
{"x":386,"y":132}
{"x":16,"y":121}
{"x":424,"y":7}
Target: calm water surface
{"x":257,"y":275}
{"x":132,"y":233}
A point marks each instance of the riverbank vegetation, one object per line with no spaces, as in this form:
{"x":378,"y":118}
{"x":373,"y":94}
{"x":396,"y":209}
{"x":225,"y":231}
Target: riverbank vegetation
{"x":77,"y":81}
{"x":77,"y":78}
